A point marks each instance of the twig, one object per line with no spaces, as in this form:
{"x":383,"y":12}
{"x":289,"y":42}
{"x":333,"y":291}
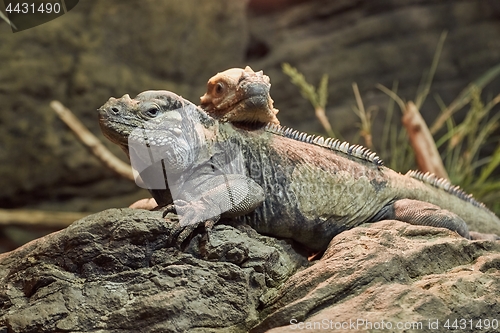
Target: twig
{"x":426,"y":153}
{"x":423,"y":90}
{"x":392,"y":95}
{"x":92,"y":142}
{"x":320,"y":114}
{"x":364,"y":116}
{"x":39,"y":218}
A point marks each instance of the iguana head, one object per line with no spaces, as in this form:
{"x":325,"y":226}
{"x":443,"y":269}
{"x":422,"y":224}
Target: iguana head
{"x":241,"y":97}
{"x":154,"y":126}
{"x":117,"y":119}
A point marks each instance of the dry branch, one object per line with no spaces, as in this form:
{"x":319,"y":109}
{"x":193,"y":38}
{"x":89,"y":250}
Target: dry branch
{"x":38,"y":218}
{"x":321,"y":115}
{"x":92,"y":142}
{"x":424,"y":147}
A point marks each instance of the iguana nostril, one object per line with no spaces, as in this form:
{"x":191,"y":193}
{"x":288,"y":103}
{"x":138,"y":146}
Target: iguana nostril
{"x":115,"y":110}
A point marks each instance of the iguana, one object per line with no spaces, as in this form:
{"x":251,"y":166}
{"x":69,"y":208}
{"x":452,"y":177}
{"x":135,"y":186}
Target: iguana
{"x":241,"y":97}
{"x":284,"y":183}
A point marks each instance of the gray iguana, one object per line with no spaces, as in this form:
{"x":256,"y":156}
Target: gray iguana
{"x":285,"y":183}
{"x":239,"y":96}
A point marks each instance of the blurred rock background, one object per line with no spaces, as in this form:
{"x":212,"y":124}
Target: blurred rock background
{"x":109,"y":48}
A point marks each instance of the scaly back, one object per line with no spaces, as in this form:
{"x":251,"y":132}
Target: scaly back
{"x":365,"y":154}
{"x":356,"y":151}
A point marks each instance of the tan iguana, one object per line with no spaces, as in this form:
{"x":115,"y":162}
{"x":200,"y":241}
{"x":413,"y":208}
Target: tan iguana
{"x":241,"y":97}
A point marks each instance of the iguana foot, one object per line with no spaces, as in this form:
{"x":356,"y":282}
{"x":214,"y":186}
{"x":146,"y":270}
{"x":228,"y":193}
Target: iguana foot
{"x":192,"y":212}
{"x":423,"y":213}
{"x":190,"y":217}
{"x":183,"y":234}
{"x":186,"y":232}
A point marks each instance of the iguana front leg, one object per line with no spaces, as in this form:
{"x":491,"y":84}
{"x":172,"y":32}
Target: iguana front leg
{"x":225,"y":196}
{"x":423,"y":213}
{"x":219,"y":196}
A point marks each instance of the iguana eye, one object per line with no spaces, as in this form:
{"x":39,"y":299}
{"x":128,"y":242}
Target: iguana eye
{"x":153,"y":112}
{"x":219,"y":88}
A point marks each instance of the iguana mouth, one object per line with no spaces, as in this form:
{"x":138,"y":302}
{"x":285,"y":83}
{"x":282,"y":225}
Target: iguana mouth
{"x":115,"y":130}
{"x":116,"y":121}
{"x":251,"y":94}
{"x":255,"y":107}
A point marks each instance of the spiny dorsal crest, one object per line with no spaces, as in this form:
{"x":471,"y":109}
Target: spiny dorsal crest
{"x":444,"y":184}
{"x":333,"y":144}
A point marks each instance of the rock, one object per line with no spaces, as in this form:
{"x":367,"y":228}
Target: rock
{"x":122,"y":271}
{"x":391,"y":272}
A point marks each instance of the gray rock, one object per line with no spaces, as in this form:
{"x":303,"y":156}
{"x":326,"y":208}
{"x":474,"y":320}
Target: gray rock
{"x":119,"y":270}
{"x":370,"y":42}
{"x":98,"y":50}
{"x":122,"y":271}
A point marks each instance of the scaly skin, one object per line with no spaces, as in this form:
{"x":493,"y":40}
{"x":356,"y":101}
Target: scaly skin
{"x":241,"y":97}
{"x":284,"y":187}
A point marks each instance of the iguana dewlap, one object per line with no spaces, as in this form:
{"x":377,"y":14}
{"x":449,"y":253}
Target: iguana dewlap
{"x":281,"y":182}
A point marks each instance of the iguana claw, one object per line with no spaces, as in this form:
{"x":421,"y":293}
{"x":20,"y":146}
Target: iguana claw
{"x":192,"y":212}
{"x":168,"y":209}
{"x":185,"y":232}
{"x":188,"y":222}
{"x":182,"y":233}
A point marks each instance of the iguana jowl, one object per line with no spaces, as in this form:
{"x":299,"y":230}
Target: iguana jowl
{"x":289,"y":184}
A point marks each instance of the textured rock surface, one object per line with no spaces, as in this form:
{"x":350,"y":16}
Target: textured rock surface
{"x":109,"y":48}
{"x":117,"y":271}
{"x":396,"y":273}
